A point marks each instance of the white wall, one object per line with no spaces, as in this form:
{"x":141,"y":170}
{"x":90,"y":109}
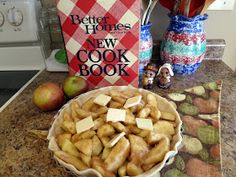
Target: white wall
{"x":220,"y":25}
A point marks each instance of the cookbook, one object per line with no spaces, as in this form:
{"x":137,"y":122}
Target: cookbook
{"x":102,"y":40}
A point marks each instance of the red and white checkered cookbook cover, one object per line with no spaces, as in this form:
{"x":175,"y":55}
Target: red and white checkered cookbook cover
{"x":102,"y":40}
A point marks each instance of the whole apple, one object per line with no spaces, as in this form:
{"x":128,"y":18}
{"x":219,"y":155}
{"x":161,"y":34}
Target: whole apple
{"x":74,"y":85}
{"x":48,"y":96}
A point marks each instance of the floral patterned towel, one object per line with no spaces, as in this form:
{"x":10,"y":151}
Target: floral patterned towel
{"x":199,"y":156}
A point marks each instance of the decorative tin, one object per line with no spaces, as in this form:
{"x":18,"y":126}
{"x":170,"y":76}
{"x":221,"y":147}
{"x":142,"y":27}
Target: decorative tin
{"x":184,"y":43}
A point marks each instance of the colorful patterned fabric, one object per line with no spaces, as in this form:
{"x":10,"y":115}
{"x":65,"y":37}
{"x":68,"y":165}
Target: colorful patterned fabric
{"x":200,"y":152}
{"x":97,"y":34}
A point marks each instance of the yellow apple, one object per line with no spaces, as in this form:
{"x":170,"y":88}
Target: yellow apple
{"x":74,"y":85}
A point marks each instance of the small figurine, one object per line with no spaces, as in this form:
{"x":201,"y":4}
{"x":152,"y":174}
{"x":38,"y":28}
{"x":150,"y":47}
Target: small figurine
{"x":165,"y":73}
{"x":149,"y":75}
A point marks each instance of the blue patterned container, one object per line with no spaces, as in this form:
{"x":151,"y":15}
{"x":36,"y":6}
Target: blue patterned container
{"x":184,"y":44}
{"x":146,"y":45}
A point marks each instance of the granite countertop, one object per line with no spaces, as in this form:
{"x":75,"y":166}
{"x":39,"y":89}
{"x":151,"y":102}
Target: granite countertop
{"x":24,"y":155}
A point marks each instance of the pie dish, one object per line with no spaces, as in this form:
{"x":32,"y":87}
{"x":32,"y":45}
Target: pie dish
{"x":163,"y":105}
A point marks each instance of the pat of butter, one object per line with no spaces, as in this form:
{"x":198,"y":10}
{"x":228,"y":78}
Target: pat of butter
{"x":102,"y":100}
{"x":116,"y":115}
{"x":132,"y":101}
{"x":84,"y":124}
{"x":145,"y":124}
{"x":115,"y":140}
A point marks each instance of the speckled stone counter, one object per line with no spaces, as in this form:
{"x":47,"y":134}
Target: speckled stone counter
{"x":22,"y":155}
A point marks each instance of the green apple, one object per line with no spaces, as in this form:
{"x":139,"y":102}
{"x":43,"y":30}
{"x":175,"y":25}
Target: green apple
{"x":74,"y":85}
{"x":48,"y":96}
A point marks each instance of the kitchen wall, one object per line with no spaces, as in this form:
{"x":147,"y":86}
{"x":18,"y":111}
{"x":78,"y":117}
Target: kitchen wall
{"x":220,"y":25}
